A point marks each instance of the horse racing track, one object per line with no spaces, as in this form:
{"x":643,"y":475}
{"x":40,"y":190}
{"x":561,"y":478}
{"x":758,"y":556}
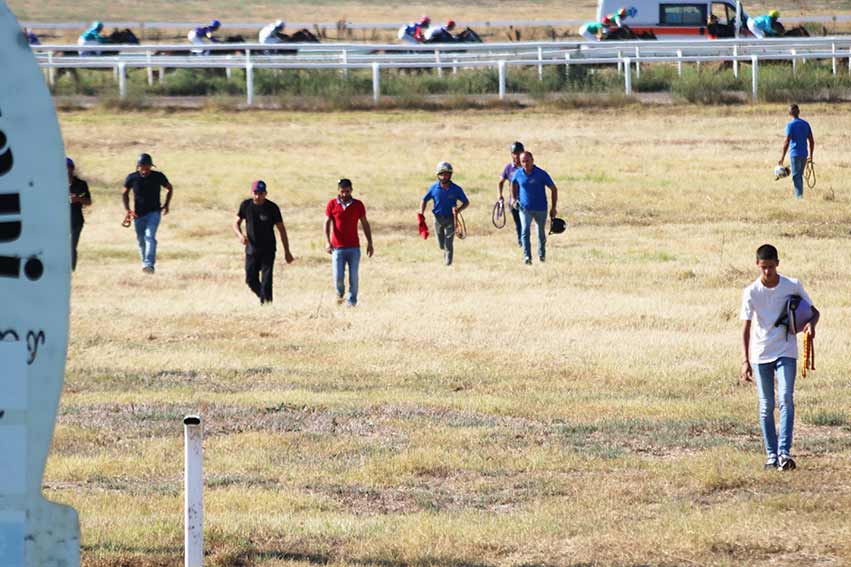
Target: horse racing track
{"x":585,"y":411}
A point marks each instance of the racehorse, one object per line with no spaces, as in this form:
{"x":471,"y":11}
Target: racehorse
{"x":625,"y":32}
{"x":466,"y":36}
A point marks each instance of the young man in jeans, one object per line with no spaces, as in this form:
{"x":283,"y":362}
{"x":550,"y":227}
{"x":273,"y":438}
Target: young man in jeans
{"x":445,"y":196}
{"x":507,"y":174}
{"x":798,"y":133}
{"x":773,"y":351}
{"x":261,"y":217}
{"x":341,"y":239}
{"x":147,"y":208}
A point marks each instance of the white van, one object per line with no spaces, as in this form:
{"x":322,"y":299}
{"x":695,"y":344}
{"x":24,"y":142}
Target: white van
{"x":672,"y":19}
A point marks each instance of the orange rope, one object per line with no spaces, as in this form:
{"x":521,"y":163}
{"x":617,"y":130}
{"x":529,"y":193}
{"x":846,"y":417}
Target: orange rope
{"x":809,"y":355}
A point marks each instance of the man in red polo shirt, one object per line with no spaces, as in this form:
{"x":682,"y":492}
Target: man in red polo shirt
{"x":341,"y":236}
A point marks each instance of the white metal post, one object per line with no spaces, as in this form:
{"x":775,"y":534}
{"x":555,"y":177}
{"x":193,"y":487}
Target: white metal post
{"x":455,"y":67}
{"x":754,"y":76}
{"x":376,"y":82}
{"x":637,"y":64}
{"x":501,"y":69}
{"x":833,"y":59}
{"x":437,"y":61}
{"x":122,"y":79}
{"x":679,"y":62}
{"x":736,"y":61}
{"x":794,"y":62}
{"x":567,"y":64}
{"x":228,"y":72}
{"x":162,"y":75}
{"x":620,"y":62}
{"x":739,"y":22}
{"x":249,"y":83}
{"x":344,"y":59}
{"x":627,"y":68}
{"x":849,"y":60}
{"x":150,"y":69}
{"x":51,"y":75}
{"x":193,"y":492}
{"x":540,"y":65}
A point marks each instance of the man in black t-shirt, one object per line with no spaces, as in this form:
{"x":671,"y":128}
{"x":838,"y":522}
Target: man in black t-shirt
{"x":147,"y":208}
{"x":80,"y":197}
{"x":261,"y":217}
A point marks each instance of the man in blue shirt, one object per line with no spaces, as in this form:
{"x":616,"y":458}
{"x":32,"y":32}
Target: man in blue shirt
{"x":528,"y":187}
{"x":445,"y":195}
{"x":798,"y":133}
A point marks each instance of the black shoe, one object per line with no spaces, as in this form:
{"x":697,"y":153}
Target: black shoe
{"x":542,"y":259}
{"x":528,"y":261}
{"x":786,"y":463}
{"x":770,"y":463}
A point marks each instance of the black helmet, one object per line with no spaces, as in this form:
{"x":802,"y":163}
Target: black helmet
{"x":145,"y":159}
{"x":517,"y":147}
{"x":557,"y":226}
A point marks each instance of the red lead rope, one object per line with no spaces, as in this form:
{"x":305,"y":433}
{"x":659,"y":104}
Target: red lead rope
{"x":809,"y":355}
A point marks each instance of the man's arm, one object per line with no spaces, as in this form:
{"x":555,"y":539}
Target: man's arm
{"x":747,"y":371}
{"x":554,"y":209}
{"x":168,"y":193}
{"x":812,"y":142}
{"x":237,"y":230}
{"x":464,"y":204}
{"x":502,"y":181}
{"x":367,"y":231}
{"x":423,"y":204}
{"x":285,"y":241}
{"x":125,"y":197}
{"x":515,"y":189}
{"x":785,"y":148}
{"x":328,"y":247}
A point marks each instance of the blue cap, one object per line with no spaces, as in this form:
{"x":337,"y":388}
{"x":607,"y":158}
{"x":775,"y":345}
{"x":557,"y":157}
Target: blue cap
{"x":258,"y":186}
{"x":69,"y":162}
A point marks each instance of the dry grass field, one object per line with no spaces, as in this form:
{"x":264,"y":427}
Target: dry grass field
{"x":581,"y":412}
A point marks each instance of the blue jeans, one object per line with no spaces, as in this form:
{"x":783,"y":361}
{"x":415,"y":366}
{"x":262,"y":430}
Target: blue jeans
{"x":798,"y":164}
{"x":146,"y":233}
{"x":540,"y":218}
{"x":339,"y":258}
{"x":785,"y":368}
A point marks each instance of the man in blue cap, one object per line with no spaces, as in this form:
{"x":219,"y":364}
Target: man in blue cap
{"x":202,"y":35}
{"x":147,"y":207}
{"x":261,"y":217}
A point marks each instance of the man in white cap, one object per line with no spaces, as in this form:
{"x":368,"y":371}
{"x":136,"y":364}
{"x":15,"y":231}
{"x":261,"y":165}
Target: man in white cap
{"x":272,"y":32}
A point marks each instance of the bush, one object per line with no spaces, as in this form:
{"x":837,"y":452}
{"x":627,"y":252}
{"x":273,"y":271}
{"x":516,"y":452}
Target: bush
{"x":707,"y":87}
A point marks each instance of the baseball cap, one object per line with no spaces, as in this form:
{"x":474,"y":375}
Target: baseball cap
{"x":344,"y":182}
{"x":258,"y":186}
{"x":145,"y":159}
{"x":69,"y":163}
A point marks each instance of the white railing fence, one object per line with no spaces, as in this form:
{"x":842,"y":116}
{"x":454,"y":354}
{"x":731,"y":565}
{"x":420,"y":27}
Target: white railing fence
{"x":627,"y":56}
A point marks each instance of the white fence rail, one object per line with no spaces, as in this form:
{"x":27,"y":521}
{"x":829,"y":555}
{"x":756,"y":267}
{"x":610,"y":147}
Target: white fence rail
{"x":500,"y":57}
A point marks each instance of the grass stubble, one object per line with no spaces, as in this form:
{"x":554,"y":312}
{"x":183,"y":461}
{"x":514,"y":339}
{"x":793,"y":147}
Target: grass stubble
{"x":585,"y":411}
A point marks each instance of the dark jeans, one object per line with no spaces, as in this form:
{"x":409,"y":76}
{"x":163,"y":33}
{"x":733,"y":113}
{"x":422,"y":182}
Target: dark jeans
{"x":76,"y":229}
{"x":258,"y":272}
{"x":515,"y":214}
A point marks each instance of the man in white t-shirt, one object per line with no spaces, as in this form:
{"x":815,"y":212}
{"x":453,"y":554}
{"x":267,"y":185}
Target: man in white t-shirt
{"x":773,"y":350}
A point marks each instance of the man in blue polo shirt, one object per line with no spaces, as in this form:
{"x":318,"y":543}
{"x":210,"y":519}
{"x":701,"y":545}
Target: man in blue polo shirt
{"x":529,"y":187}
{"x":445,"y":195}
{"x":798,"y":133}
